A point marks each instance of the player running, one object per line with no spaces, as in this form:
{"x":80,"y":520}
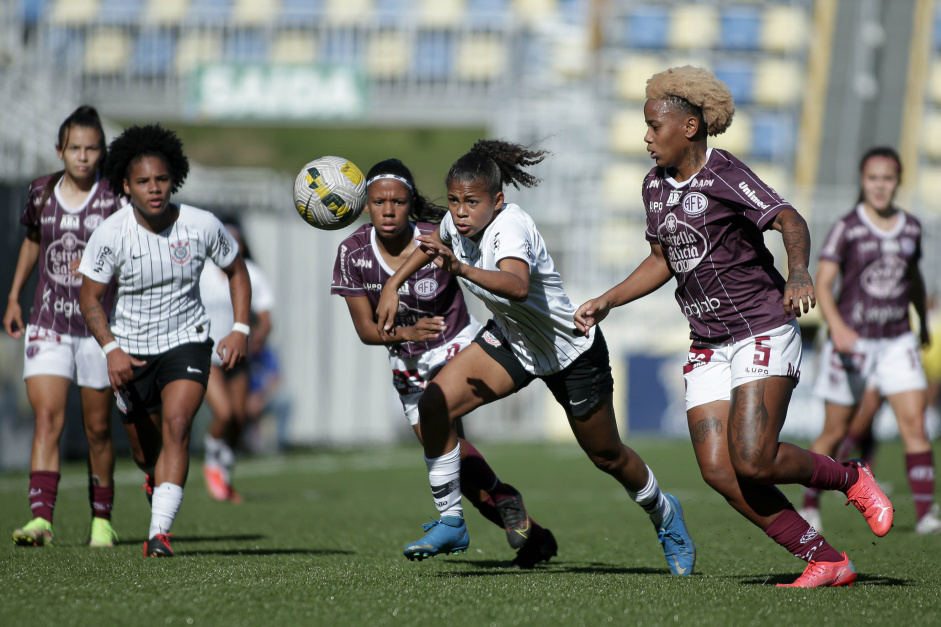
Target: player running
{"x":875,"y":250}
{"x":62,"y":210}
{"x":158,"y":346}
{"x":227,"y":392}
{"x":494,"y":247}
{"x":434,"y":326}
{"x":705,"y":215}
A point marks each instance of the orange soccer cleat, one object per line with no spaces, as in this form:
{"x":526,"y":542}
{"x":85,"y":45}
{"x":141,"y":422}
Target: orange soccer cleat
{"x":825,"y":575}
{"x":869,"y":499}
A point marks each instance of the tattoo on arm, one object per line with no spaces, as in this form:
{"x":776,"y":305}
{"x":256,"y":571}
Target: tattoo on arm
{"x":97,"y":323}
{"x":701,"y":431}
{"x":797,"y":244}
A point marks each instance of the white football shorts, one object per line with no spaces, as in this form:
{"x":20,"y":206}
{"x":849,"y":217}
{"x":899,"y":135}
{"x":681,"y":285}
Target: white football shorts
{"x":889,"y":365}
{"x":410,"y":375}
{"x":76,"y":358}
{"x":713,"y":370}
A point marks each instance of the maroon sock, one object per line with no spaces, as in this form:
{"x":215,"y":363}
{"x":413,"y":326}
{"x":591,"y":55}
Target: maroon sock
{"x":102,"y":501}
{"x":794,"y":534}
{"x":476,"y":468}
{"x":867,"y":450}
{"x":43,"y":486}
{"x":831,"y":475}
{"x":846,"y":448}
{"x":921,"y":478}
{"x":811,"y":498}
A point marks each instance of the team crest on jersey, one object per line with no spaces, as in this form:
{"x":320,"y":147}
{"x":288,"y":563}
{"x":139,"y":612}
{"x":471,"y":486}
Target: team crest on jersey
{"x":69,"y":222}
{"x":907,"y":245}
{"x":93,"y":221}
{"x":425,"y":289}
{"x":180,"y":252}
{"x":695,"y":203}
{"x":884,"y":278}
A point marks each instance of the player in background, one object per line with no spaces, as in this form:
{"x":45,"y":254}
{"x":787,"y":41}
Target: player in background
{"x":705,"y":215}
{"x":434,"y":325}
{"x":874,"y":250}
{"x":496,"y":250}
{"x":227,"y":392}
{"x":158,"y":345}
{"x":62,"y":210}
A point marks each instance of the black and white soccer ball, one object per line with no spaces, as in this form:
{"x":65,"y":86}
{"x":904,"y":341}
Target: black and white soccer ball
{"x":330,"y":193}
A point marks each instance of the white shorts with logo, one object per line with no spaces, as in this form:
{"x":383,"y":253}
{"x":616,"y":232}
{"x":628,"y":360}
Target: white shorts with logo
{"x":713,"y":370}
{"x":889,"y":365}
{"x":410,"y":375}
{"x":77,"y":358}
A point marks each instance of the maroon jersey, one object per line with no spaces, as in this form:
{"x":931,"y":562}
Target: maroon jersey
{"x":360,"y":271}
{"x":63,"y":235}
{"x":876,"y":267}
{"x":710,"y":228}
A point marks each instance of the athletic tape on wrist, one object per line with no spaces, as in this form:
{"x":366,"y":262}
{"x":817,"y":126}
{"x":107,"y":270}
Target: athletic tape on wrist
{"x":110,"y":346}
{"x":241,"y":327}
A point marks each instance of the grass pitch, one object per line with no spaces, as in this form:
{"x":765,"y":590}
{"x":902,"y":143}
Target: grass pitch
{"x":318,"y":542}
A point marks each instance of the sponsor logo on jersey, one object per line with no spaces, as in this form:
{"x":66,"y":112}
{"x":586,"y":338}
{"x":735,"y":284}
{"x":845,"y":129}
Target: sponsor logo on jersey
{"x":907,"y":245}
{"x":653,"y":184}
{"x":878,"y":315}
{"x":884,"y":277}
{"x":59,"y":256}
{"x":696,"y":308}
{"x":47,"y":220}
{"x":496,"y":241}
{"x":698,"y":183}
{"x":343,"y":250}
{"x":362,"y":263}
{"x":891,"y":247}
{"x":372,"y":287}
{"x":685,"y":246}
{"x":102,"y":258}
{"x":695,"y":203}
{"x":180,"y":252}
{"x":225,"y":243}
{"x":674,"y":197}
{"x":102,"y":203}
{"x":655,"y":206}
{"x":93,"y":221}
{"x":66,"y":307}
{"x":752,"y":196}
{"x":864,"y":246}
{"x":69,"y":222}
{"x":404,"y":291}
{"x":425,"y":288}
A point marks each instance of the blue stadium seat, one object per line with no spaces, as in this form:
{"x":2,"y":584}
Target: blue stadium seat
{"x":153,"y":53}
{"x":120,"y":11}
{"x":394,"y":12}
{"x":344,"y":46}
{"x":647,"y":27}
{"x":246,"y":45}
{"x":772,"y":136}
{"x":64,"y":47}
{"x":740,"y":77}
{"x":210,"y":10}
{"x":740,"y":28}
{"x":937,"y":31}
{"x":434,"y":55}
{"x":300,"y":12}
{"x":32,"y":11}
{"x":487,"y":13}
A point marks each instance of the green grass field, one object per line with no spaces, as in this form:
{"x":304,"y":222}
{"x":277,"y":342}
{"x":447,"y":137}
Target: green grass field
{"x":318,"y":542}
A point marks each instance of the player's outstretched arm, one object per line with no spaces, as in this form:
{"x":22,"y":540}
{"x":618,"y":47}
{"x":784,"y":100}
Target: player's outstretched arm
{"x":649,"y":276}
{"x":29,"y":255}
{"x":799,"y":289}
{"x":361,"y":313}
{"x":119,"y":363}
{"x":233,"y":347}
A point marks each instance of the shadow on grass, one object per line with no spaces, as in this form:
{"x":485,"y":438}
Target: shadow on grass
{"x":265,"y":552}
{"x":869,"y":580}
{"x":495,"y":567}
{"x":175,"y":539}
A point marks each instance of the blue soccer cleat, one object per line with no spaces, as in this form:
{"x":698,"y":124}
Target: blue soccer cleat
{"x":678,"y":545}
{"x":448,"y":535}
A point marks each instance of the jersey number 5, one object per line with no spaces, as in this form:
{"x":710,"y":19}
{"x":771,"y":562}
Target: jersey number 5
{"x":762,"y":353}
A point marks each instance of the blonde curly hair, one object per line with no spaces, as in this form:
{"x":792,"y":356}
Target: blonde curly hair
{"x":699,"y":87}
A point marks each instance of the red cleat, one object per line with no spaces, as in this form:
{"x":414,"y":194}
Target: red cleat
{"x":218,"y":488}
{"x":869,"y":499}
{"x":148,"y":487}
{"x":825,"y":575}
{"x":158,"y":546}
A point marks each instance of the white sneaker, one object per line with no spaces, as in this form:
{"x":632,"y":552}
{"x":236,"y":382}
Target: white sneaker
{"x":930,"y":523}
{"x":812,"y":516}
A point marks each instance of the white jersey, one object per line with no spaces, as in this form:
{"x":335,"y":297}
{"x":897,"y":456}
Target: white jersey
{"x":217,"y":299}
{"x":158,"y":305}
{"x":541,"y":329}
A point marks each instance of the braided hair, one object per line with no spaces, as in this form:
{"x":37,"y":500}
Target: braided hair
{"x":138,"y":142}
{"x":422,"y":209}
{"x":498,"y":163}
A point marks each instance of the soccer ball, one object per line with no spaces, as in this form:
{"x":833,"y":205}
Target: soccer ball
{"x":330,"y":193}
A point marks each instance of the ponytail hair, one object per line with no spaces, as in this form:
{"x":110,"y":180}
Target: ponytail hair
{"x":85,"y":116}
{"x":883,"y":152}
{"x":498,"y":163}
{"x":422,"y":209}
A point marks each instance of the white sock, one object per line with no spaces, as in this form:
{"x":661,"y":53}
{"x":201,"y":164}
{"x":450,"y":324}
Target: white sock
{"x":444,"y":475}
{"x":164,"y":507}
{"x":652,"y":499}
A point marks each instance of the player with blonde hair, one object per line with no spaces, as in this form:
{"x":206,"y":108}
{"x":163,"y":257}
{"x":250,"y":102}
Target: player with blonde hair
{"x":706,"y":213}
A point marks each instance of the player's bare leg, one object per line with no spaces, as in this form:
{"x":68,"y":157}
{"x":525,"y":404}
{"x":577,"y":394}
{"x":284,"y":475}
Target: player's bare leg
{"x":224,"y":401}
{"x":96,"y":414}
{"x":909,"y":408}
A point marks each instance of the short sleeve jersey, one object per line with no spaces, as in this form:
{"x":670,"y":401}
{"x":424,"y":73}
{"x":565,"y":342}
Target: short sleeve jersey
{"x":217,"y":298}
{"x":710,"y":228}
{"x":541,"y":329}
{"x":158,"y":306}
{"x":64,"y":233}
{"x":876,"y":268}
{"x":360,"y":270}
